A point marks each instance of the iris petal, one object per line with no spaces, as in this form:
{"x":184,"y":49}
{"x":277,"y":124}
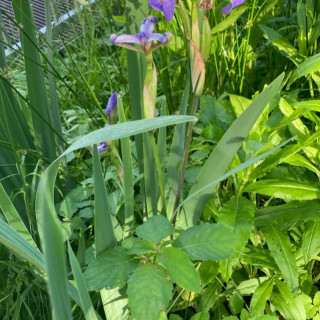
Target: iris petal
{"x":157,"y":37}
{"x":126,"y":38}
{"x":234,"y":3}
{"x":168,"y":9}
{"x":112,"y":103}
{"x":156,"y":4}
{"x":147,"y":24}
{"x":227,"y":9}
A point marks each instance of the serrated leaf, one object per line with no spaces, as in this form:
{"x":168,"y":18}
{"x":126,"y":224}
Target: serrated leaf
{"x":149,"y":292}
{"x":311,"y":241}
{"x":279,"y":245}
{"x":111,"y":269}
{"x":260,"y":297}
{"x":293,"y":211}
{"x":138,"y":246}
{"x":180,"y":268}
{"x":207,"y":242}
{"x":285,"y":189}
{"x":310,"y":65}
{"x":155,"y":229}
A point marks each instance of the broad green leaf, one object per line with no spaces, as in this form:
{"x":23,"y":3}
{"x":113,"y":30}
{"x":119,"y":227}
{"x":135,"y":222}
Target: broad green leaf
{"x":310,"y":65}
{"x":103,"y":227}
{"x":138,"y":246}
{"x":237,"y":214}
{"x":287,"y":190}
{"x":222,"y":156}
{"x":155,"y":229}
{"x":230,"y":19}
{"x":293,"y":211}
{"x":311,"y":310}
{"x":311,"y":240}
{"x":208,"y":271}
{"x":210,"y":296}
{"x":149,"y":292}
{"x":316,"y":299}
{"x":280,"y":247}
{"x":86,"y":303}
{"x":110,"y":269}
{"x":180,"y":269}
{"x":236,"y":302}
{"x":207,"y":242}
{"x":266,"y":317}
{"x":201,"y":316}
{"x":289,"y":307}
{"x":247,"y":287}
{"x":260,"y":297}
{"x":115,"y":304}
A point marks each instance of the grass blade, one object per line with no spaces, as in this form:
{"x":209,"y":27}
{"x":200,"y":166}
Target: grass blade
{"x":44,"y":137}
{"x":127,"y":174}
{"x":85,"y":300}
{"x":13,"y":217}
{"x":103,"y":228}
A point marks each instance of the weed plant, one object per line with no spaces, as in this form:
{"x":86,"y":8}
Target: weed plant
{"x":161,"y":161}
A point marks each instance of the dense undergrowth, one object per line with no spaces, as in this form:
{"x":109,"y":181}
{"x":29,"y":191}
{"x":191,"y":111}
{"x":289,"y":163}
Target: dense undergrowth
{"x":194,"y":195}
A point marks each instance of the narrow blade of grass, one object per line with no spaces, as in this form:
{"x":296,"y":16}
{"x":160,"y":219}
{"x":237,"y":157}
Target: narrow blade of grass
{"x":85,"y":300}
{"x":44,"y":136}
{"x":13,"y":217}
{"x":127,"y":175}
{"x":103,"y":228}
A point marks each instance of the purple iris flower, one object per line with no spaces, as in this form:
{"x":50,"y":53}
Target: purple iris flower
{"x":234,"y":3}
{"x":145,"y":38}
{"x":112,"y":114}
{"x":102,"y":146}
{"x":112,"y":103}
{"x":166,"y":6}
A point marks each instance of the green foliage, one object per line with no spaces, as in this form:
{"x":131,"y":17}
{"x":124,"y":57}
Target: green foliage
{"x":149,"y":292}
{"x":214,"y":218}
